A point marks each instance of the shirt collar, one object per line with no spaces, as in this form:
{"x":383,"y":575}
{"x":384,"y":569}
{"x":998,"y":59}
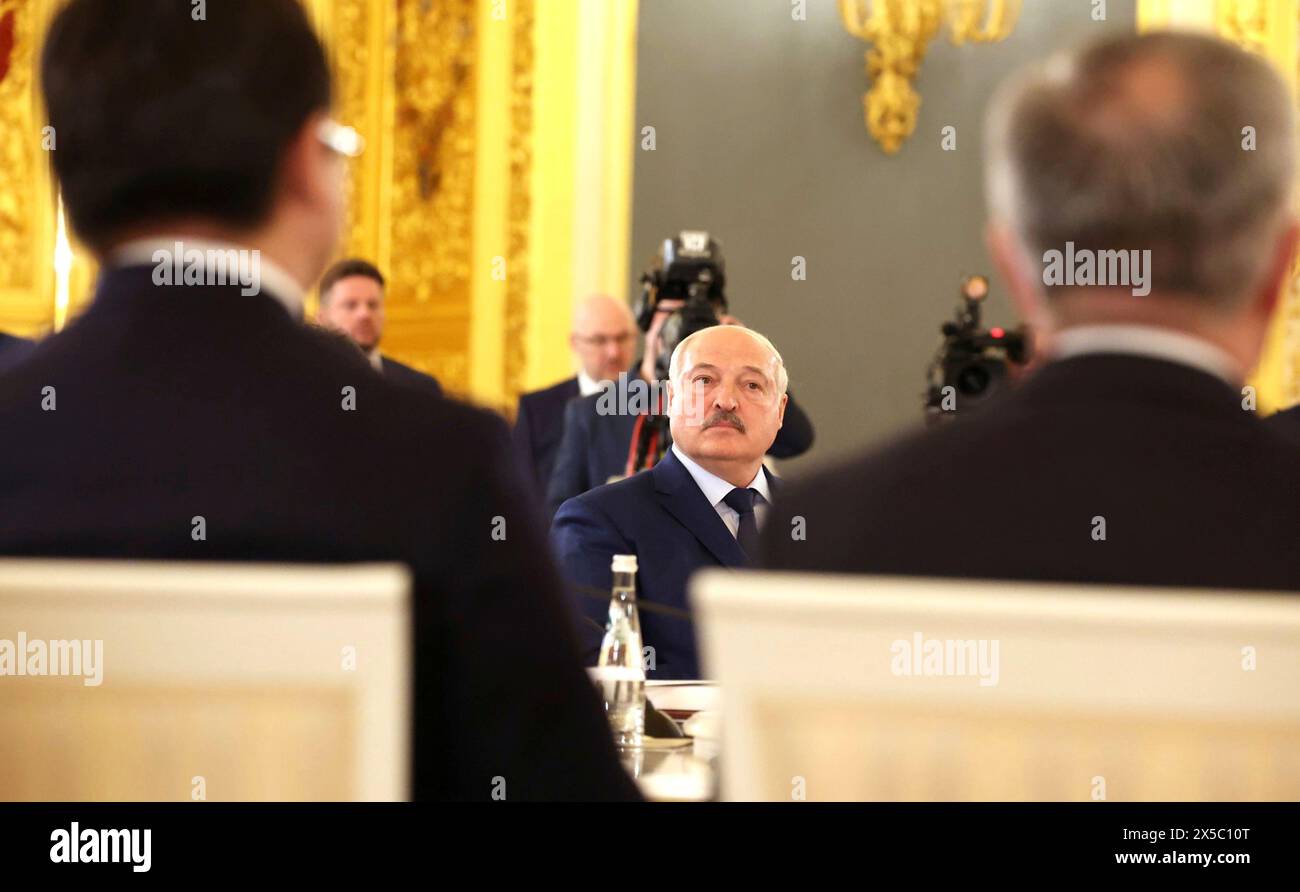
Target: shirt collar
{"x":1151,"y":341}
{"x":271,"y":278}
{"x":376,"y":359}
{"x":715,"y":489}
{"x":588,"y":385}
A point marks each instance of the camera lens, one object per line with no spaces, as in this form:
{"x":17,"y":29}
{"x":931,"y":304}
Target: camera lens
{"x":973,"y":380}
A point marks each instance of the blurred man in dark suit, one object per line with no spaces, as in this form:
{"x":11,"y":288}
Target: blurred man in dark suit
{"x":168,"y":402}
{"x":1131,"y":456}
{"x":13,"y":349}
{"x":595,"y":445}
{"x":700,"y":506}
{"x":352,"y":303}
{"x":602,"y":340}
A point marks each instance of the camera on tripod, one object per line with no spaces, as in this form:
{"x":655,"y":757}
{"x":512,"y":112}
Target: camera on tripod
{"x":972,"y":363}
{"x":689,"y":268}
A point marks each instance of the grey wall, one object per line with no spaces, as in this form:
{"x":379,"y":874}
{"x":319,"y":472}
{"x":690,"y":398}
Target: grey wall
{"x":761,"y":140}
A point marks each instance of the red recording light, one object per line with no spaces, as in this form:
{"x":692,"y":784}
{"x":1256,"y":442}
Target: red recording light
{"x":996,"y":332}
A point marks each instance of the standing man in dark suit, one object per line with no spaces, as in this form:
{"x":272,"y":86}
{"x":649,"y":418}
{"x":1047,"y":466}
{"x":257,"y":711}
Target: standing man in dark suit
{"x":1132,"y":455}
{"x":13,"y":350}
{"x":602,"y":340}
{"x":352,"y":303}
{"x":700,"y":506}
{"x":199,"y":419}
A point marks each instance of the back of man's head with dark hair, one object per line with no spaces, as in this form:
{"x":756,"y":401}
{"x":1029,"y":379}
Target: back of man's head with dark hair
{"x":158,"y":115}
{"x":344,"y":269}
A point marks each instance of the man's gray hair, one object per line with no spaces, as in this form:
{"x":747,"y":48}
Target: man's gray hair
{"x":1176,"y":143}
{"x":675,"y":362}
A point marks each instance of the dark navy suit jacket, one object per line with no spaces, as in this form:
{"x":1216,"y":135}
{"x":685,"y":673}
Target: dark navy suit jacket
{"x":663,"y":518}
{"x":13,"y":349}
{"x":1194,"y":491}
{"x":539,"y":425}
{"x":400,"y":373}
{"x":200,"y":400}
{"x":594,"y":446}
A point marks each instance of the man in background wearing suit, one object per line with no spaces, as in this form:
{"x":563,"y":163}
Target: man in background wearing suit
{"x":602,"y":340}
{"x":13,"y":350}
{"x":700,"y":506}
{"x":185,"y":402}
{"x":1130,"y":456}
{"x":352,"y":303}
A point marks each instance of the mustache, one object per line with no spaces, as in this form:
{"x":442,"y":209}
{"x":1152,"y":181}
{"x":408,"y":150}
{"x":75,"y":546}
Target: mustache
{"x":718,"y":418}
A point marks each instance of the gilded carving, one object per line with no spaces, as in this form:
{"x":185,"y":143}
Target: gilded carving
{"x":1245,"y":23}
{"x":900,"y":32}
{"x":352,"y":63}
{"x":405,"y":75}
{"x":431,"y":219}
{"x":521,"y":157}
{"x":1252,"y":25}
{"x":19,"y":147}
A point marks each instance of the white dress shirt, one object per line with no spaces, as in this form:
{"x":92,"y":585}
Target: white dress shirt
{"x":271,"y":277}
{"x":715,"y":489}
{"x":588,"y":385}
{"x":1151,"y":341}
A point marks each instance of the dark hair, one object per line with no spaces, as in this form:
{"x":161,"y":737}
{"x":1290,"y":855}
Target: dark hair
{"x":344,"y":269}
{"x":158,"y":115}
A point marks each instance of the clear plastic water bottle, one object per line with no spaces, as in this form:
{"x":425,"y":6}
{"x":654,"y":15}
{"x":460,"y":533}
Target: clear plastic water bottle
{"x":620,"y":672}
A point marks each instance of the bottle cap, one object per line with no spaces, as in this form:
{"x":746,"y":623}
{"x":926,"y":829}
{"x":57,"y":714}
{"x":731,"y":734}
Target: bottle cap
{"x":624,"y":563}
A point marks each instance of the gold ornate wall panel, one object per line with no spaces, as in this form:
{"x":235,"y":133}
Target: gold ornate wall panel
{"x":432,"y":188}
{"x":404,"y":78}
{"x":463,"y":170}
{"x":25,"y":280}
{"x":30,"y":302}
{"x":407,"y":78}
{"x":460,"y":171}
{"x":521,"y":165}
{"x":1270,"y":28}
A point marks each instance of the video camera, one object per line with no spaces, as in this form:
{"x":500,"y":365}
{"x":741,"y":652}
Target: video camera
{"x":972,"y":363}
{"x":688,"y":268}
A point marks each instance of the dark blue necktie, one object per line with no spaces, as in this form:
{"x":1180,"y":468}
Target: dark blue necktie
{"x":742,"y":502}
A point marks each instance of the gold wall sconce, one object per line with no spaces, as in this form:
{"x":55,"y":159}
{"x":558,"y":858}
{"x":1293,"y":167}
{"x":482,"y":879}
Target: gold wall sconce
{"x":899,"y":32}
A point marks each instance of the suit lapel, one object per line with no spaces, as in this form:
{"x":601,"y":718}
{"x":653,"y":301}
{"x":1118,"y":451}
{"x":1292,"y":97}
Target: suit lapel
{"x":681,"y":497}
{"x":774,"y":483}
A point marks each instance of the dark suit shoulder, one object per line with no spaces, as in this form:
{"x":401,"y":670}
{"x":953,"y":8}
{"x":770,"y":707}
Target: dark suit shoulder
{"x":1286,"y":423}
{"x":413,"y":405}
{"x":579,"y":411}
{"x":14,"y":349}
{"x":560,"y":391}
{"x":587,"y":405}
{"x":900,"y":463}
{"x":614,"y":498}
{"x":401,"y":373}
{"x":1192,"y":490}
